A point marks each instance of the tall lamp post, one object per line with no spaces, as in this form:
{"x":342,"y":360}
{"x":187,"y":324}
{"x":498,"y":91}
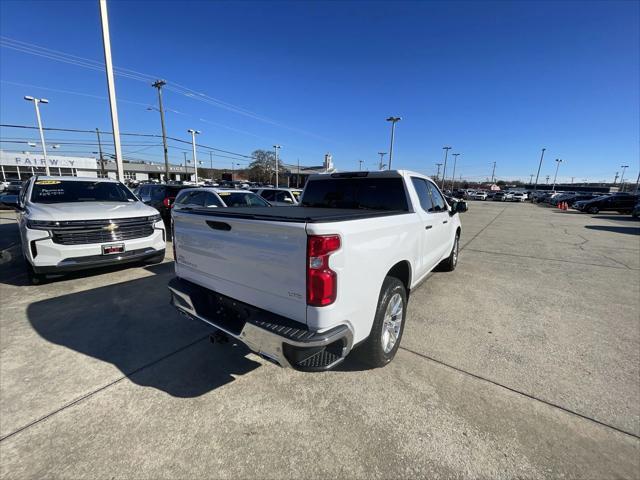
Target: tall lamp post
{"x":193,"y":147}
{"x":393,"y":121}
{"x":381,"y":164}
{"x":453,"y":178}
{"x":36,"y":102}
{"x":275,"y":149}
{"x":535,"y":187}
{"x":159,"y":84}
{"x":555,"y":177}
{"x":623,"y":167}
{"x":444,"y":169}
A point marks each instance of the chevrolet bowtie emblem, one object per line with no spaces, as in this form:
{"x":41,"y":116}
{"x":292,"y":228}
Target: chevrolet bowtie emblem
{"x":111,"y":227}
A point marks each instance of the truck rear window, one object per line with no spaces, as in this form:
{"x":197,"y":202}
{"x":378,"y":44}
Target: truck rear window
{"x":359,"y":193}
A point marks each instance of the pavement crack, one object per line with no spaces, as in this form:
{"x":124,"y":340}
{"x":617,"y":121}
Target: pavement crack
{"x":100,"y":389}
{"x":520,"y":392}
{"x":483,"y":229}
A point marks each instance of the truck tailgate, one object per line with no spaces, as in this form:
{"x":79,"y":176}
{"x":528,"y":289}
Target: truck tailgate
{"x":262,"y":263}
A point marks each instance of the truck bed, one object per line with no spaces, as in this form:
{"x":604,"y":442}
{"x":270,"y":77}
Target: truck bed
{"x":294,"y":214}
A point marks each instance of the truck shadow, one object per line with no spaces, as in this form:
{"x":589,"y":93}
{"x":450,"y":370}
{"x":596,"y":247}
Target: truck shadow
{"x":132,"y":326}
{"x":615,"y":229}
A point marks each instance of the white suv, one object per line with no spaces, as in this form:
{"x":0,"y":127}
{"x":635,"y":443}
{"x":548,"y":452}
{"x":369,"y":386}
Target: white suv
{"x":75,"y":223}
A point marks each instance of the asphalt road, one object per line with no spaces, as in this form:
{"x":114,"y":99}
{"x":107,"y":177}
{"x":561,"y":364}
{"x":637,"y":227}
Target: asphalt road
{"x":524,"y":362}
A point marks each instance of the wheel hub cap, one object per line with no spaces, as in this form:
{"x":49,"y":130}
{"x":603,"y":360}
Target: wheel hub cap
{"x":392,"y":322}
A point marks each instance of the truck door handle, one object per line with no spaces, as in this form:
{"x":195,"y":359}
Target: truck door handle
{"x":428,"y":227}
{"x":445,"y":221}
{"x":219,"y":225}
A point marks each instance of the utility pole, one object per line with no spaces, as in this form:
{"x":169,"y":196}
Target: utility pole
{"x":276,"y":148}
{"x":535,"y":187}
{"x":531,"y":178}
{"x":111,"y":86}
{"x":159,"y":84}
{"x":211,"y":163}
{"x":232,"y":171}
{"x":637,"y":183}
{"x":36,"y":102}
{"x":453,"y":177}
{"x":193,"y":147}
{"x":615,"y":179}
{"x":102,"y":172}
{"x":572,"y":180}
{"x":360,"y":164}
{"x":493,"y":173}
{"x":548,"y":177}
{"x":438,"y":174}
{"x":298,"y":176}
{"x":393,"y":121}
{"x":444,"y":169}
{"x":623,"y":167}
{"x":381,"y":164}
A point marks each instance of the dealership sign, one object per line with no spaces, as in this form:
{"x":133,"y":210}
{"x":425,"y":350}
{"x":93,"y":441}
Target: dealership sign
{"x":13,"y":159}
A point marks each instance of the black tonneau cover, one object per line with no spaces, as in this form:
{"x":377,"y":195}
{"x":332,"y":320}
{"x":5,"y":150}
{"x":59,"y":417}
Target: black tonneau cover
{"x":292,"y":214}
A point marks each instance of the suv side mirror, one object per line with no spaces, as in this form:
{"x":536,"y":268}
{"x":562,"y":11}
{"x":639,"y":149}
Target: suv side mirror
{"x":458,"y":207}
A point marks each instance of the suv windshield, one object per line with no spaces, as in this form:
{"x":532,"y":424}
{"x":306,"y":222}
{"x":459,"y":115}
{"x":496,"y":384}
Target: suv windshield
{"x":361,"y":193}
{"x":59,"y":191}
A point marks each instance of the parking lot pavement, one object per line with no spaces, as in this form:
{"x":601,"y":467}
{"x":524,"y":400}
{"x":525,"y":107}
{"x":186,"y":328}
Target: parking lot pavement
{"x":524,"y":362}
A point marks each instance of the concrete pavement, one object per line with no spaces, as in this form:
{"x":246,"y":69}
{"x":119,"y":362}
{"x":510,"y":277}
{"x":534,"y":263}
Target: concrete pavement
{"x":524,"y":362}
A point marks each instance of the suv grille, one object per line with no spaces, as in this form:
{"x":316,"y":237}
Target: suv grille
{"x":101,"y":231}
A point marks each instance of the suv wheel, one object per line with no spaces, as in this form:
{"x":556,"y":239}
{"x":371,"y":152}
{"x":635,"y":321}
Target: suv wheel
{"x":388,"y":324}
{"x":34,"y":278}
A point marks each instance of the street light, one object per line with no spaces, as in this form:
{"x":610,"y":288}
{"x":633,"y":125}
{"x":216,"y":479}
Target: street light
{"x":623,"y":167}
{"x":444,"y":170}
{"x":453,"y":178}
{"x":193,"y":146}
{"x":558,"y":162}
{"x":393,"y":121}
{"x":535,"y":187}
{"x":381,"y":164}
{"x":276,"y":148}
{"x":36,"y":102}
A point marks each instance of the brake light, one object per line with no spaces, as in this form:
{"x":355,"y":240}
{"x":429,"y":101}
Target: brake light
{"x":322,"y":282}
{"x":168,"y":202}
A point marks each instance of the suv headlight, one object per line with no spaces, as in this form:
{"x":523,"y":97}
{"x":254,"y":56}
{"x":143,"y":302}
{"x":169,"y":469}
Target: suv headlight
{"x":41,"y":224}
{"x":154,"y":218}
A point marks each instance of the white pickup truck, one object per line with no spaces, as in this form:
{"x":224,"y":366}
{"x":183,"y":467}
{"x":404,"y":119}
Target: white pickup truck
{"x":302,"y":286}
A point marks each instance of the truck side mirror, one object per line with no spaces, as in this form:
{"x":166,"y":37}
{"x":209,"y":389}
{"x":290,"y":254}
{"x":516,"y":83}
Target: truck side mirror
{"x":458,"y":207}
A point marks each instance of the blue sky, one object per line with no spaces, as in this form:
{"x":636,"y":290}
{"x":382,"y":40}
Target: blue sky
{"x":495,"y":80}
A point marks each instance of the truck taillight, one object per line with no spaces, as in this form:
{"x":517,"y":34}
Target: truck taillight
{"x":322,"y":283}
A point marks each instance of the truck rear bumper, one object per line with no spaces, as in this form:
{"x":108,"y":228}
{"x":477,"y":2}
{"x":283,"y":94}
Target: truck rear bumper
{"x":283,"y":341}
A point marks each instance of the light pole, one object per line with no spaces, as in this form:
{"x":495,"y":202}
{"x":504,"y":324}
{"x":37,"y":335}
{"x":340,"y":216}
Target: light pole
{"x":36,"y":102}
{"x":555,"y":177}
{"x":453,"y":178}
{"x":193,"y":147}
{"x":493,"y":173}
{"x":393,"y":121}
{"x":186,"y":170}
{"x":380,"y":165}
{"x":438,"y":174}
{"x":444,"y":169}
{"x":159,"y":84}
{"x":531,"y":179}
{"x":535,"y":187}
{"x":360,"y":164}
{"x":548,"y":177}
{"x":275,"y":149}
{"x":623,"y":167}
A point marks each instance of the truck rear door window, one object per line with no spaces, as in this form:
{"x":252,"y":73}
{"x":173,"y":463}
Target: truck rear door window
{"x":358,"y":193}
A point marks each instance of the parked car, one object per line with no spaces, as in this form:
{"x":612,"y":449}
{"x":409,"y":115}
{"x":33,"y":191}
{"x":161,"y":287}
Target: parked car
{"x":208,"y":197}
{"x":518,"y":197}
{"x":280,"y":197}
{"x":75,"y":223}
{"x":618,"y":202}
{"x":13,"y":187}
{"x":161,"y":197}
{"x":480,"y":195}
{"x":301,"y":286}
{"x":499,"y":197}
{"x":636,"y":211}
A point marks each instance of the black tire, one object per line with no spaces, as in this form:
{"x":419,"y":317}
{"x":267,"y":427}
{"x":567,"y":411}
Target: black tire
{"x":155,"y":259}
{"x":450,"y":263}
{"x":372,"y":351}
{"x":593,"y":210}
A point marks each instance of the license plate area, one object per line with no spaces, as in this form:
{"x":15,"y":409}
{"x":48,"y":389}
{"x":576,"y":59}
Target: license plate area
{"x":112,"y":249}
